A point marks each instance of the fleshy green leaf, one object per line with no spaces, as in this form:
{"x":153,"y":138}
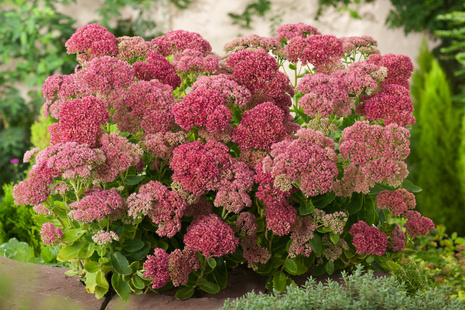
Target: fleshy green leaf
{"x":329,"y":267}
{"x":133,"y":245}
{"x":121,"y":287}
{"x":306,"y":207}
{"x":120,"y":263}
{"x":279,"y":281}
{"x":209,"y":287}
{"x":221,"y":273}
{"x":410,"y":186}
{"x":69,"y":253}
{"x":211,"y":262}
{"x":355,"y":204}
{"x":322,"y":201}
{"x":92,"y":266}
{"x":315,"y":244}
{"x":185,"y":293}
{"x":335,"y":237}
{"x":294,"y":267}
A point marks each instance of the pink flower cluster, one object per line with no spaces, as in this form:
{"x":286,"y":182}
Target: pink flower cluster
{"x":368,"y":239}
{"x":50,"y":234}
{"x":157,"y":67}
{"x":302,"y":232}
{"x":361,"y":77}
{"x":253,"y":252}
{"x":146,"y":106}
{"x":161,"y":145}
{"x":316,"y":50}
{"x":181,"y":264}
{"x":416,"y":224}
{"x":245,"y":225}
{"x":324,"y":95}
{"x":280,"y":217}
{"x":396,"y":239}
{"x":157,"y":267}
{"x":333,"y":251}
{"x":334,"y":221}
{"x":194,"y":61}
{"x":56,"y":89}
{"x":392,"y":103}
{"x":309,"y":160}
{"x":399,"y":68}
{"x":398,"y":201}
{"x":289,"y":31}
{"x":252,"y":42}
{"x":97,"y":205}
{"x":376,"y":155}
{"x":233,"y":93}
{"x":366,"y":45}
{"x":200,"y":207}
{"x":164,"y":207}
{"x":209,"y":235}
{"x":203,"y":108}
{"x":120,"y":155}
{"x":93,"y":41}
{"x":80,"y":121}
{"x":180,"y":40}
{"x":103,"y":237}
{"x":133,"y":48}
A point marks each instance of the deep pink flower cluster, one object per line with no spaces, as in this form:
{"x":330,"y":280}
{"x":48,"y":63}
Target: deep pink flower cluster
{"x":120,"y":155}
{"x":103,"y":237}
{"x":202,"y":108}
{"x":162,"y":144}
{"x":324,"y":95}
{"x":80,"y":121}
{"x":417,"y":224}
{"x":97,"y":205}
{"x":200,"y":207}
{"x":262,"y":126}
{"x":368,"y":239}
{"x":180,"y":40}
{"x":50,"y":234}
{"x":361,"y":77}
{"x":280,"y":218}
{"x":104,"y":75}
{"x":392,"y":103}
{"x":92,"y":40}
{"x":399,"y":68}
{"x":398,"y":201}
{"x":146,"y":106}
{"x":252,"y":42}
{"x":289,"y":31}
{"x":267,"y":192}
{"x":157,"y":267}
{"x":364,"y":44}
{"x":181,"y":264}
{"x":376,"y":155}
{"x":133,"y":48}
{"x":253,"y":252}
{"x":302,"y":232}
{"x":233,"y":93}
{"x":164,"y":207}
{"x":209,"y":235}
{"x":316,"y":50}
{"x":194,"y":61}
{"x":333,"y":251}
{"x":36,"y":188}
{"x":396,"y":240}
{"x":157,"y":67}
{"x":309,"y":160}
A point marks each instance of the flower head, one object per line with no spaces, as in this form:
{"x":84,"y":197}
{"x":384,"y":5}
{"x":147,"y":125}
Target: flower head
{"x":133,"y":48}
{"x":157,"y":67}
{"x":315,"y":49}
{"x":50,"y":234}
{"x":181,"y":264}
{"x":416,"y":224}
{"x":368,"y":239}
{"x":191,"y":60}
{"x":157,"y":267}
{"x":396,"y":239}
{"x":92,"y":40}
{"x":398,"y":201}
{"x":399,"y":68}
{"x":180,"y":40}
{"x":289,"y":31}
{"x":103,"y":237}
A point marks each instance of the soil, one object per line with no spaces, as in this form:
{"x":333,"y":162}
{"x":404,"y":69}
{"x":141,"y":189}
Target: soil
{"x":29,"y":287}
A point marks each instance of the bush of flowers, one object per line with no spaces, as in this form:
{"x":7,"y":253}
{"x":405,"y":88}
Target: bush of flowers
{"x":169,"y":165}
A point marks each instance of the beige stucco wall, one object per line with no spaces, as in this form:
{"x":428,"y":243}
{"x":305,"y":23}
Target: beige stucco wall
{"x":210,"y":19}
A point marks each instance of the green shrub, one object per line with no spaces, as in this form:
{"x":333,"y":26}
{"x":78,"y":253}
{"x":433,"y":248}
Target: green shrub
{"x":23,"y":252}
{"x":361,"y":291}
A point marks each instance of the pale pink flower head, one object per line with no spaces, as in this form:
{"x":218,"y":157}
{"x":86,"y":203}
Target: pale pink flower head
{"x":302,"y":231}
{"x":157,"y":267}
{"x":396,"y":239}
{"x":36,"y":188}
{"x":398,"y":201}
{"x":180,"y":40}
{"x":161,"y":145}
{"x":366,"y":45}
{"x":134,"y":48}
{"x":50,"y":234}
{"x":212,"y":237}
{"x":252,"y":42}
{"x":191,"y":60}
{"x":157,"y":67}
{"x":267,"y":191}
{"x":333,"y":251}
{"x":103,"y":237}
{"x":233,"y":93}
{"x":289,"y":31}
{"x":368,"y":239}
{"x":245,"y":225}
{"x":253,"y":253}
{"x":399,"y":68}
{"x":392,"y":104}
{"x":417,"y":224}
{"x":97,"y":205}
{"x":202,"y":108}
{"x":41,"y":209}
{"x":261,"y":126}
{"x":92,"y":40}
{"x":80,"y":121}
{"x":181,"y":264}
{"x":316,"y":50}
{"x":28,"y":155}
{"x":361,"y":77}
{"x":146,"y":107}
{"x":324,"y":95}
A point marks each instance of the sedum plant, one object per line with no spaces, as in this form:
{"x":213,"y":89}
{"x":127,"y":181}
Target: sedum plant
{"x":169,"y":165}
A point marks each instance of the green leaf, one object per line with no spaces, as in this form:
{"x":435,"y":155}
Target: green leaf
{"x":209,"y":287}
{"x":69,"y":253}
{"x":100,"y":291}
{"x":138,"y":255}
{"x":221,"y":273}
{"x":410,"y":186}
{"x":335,"y":237}
{"x":279,"y":281}
{"x":460,"y":240}
{"x":101,"y":280}
{"x":211,"y":262}
{"x":306,"y":207}
{"x":329,"y":267}
{"x":392,"y":265}
{"x":122,"y":288}
{"x":185,"y":293}
{"x":92,"y":266}
{"x":370,"y":258}
{"x":379,"y":188}
{"x":355,"y":204}
{"x":133,"y":179}
{"x":292,"y":67}
{"x":315,"y":244}
{"x":70,"y":236}
{"x":368,"y":212}
{"x":138,"y":283}
{"x":133,"y":245}
{"x":294,"y":267}
{"x":322,"y":201}
{"x":87,"y":250}
{"x":120,"y":263}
